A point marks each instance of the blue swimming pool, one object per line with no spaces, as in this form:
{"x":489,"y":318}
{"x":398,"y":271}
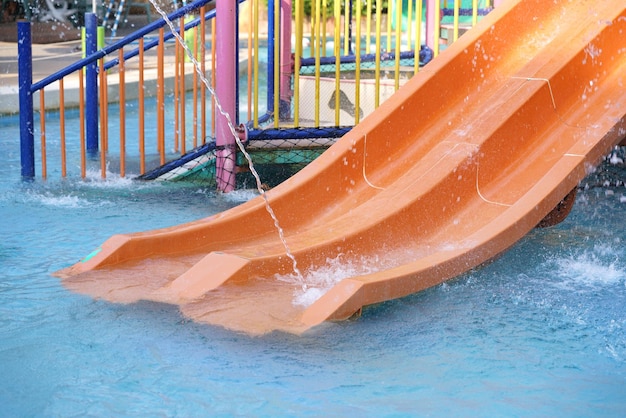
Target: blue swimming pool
{"x":541,"y":331}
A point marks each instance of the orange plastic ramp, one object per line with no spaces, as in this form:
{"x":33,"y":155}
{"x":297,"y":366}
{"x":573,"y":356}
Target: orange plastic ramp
{"x":457,"y":166}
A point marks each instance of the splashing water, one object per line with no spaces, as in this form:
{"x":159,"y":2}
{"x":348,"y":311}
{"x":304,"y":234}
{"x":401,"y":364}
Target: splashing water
{"x":590,"y":270}
{"x":233,"y":131}
{"x":321,"y":279}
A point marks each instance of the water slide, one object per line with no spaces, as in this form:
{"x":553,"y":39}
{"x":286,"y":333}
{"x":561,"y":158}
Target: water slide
{"x":462,"y":162}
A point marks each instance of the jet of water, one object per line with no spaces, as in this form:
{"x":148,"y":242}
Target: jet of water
{"x":233,"y":131}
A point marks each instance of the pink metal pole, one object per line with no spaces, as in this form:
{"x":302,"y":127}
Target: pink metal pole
{"x":226,"y":89}
{"x":285,"y":59}
{"x":430,"y":23}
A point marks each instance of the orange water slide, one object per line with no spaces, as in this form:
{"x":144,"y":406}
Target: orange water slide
{"x":463,"y":161}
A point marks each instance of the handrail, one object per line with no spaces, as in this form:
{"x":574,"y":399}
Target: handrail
{"x":318,"y":114}
{"x":151,"y":27}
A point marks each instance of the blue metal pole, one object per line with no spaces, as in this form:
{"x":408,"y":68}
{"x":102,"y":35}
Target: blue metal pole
{"x":91,"y":84}
{"x":25,"y":77}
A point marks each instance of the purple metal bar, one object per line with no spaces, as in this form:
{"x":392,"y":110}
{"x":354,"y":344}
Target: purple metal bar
{"x":226,"y":91}
{"x":286,"y":61}
{"x":91,"y":84}
{"x":25,"y":77}
{"x":272,"y":38}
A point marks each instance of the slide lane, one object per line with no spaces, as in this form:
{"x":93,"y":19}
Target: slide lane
{"x":458,"y":165}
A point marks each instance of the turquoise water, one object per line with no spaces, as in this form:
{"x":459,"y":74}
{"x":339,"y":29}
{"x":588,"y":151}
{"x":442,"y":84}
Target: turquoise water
{"x":541,"y":331}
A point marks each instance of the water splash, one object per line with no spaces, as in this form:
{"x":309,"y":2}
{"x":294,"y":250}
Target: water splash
{"x":233,"y":131}
{"x":591,"y":270}
{"x":321,"y":279}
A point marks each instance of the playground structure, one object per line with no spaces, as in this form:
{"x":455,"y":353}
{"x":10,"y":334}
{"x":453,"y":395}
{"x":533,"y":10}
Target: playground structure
{"x":296,"y":100}
{"x":471,"y":154}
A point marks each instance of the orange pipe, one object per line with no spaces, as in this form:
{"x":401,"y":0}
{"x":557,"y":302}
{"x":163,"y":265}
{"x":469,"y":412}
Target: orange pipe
{"x":103,"y":120}
{"x":105,"y":112}
{"x":122,"y":88}
{"x":213,"y":51}
{"x":81,"y":106}
{"x":161,"y":98}
{"x":195,"y":91}
{"x":181,"y":90}
{"x":42,"y":126}
{"x":176,"y":94}
{"x":62,"y":125}
{"x":203,"y":66}
{"x":142,"y":112}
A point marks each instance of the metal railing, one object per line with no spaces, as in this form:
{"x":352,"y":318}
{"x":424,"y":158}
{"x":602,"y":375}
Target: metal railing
{"x":314,"y":83}
{"x":91,"y":77}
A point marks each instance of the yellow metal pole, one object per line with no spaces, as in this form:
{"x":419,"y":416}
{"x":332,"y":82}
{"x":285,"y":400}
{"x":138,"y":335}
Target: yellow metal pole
{"x":324,"y":34}
{"x":311,"y":29}
{"x":256,"y":66}
{"x":276,"y":74}
{"x":457,"y":5}
{"x":389,"y":18}
{"x":409,"y":19}
{"x":317,"y":62}
{"x":368,"y":26}
{"x":296,"y":68}
{"x":346,"y":28}
{"x":398,"y":43}
{"x":474,"y":12}
{"x":418,"y":35}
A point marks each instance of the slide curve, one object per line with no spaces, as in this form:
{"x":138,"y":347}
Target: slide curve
{"x":463,"y":161}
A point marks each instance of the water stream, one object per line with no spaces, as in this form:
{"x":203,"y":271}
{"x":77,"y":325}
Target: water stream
{"x":233,"y":131}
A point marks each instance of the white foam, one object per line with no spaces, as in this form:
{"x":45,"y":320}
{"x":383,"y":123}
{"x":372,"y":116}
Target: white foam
{"x":319,"y":280}
{"x":240,"y":195}
{"x":93,"y":178}
{"x":590,"y":270}
{"x":62,"y":201}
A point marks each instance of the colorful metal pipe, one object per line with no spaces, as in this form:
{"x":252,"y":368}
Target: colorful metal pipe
{"x":25,"y":77}
{"x":91,"y":83}
{"x":226,"y":88}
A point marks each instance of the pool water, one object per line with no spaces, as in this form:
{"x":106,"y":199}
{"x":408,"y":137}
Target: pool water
{"x":540,"y":331}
